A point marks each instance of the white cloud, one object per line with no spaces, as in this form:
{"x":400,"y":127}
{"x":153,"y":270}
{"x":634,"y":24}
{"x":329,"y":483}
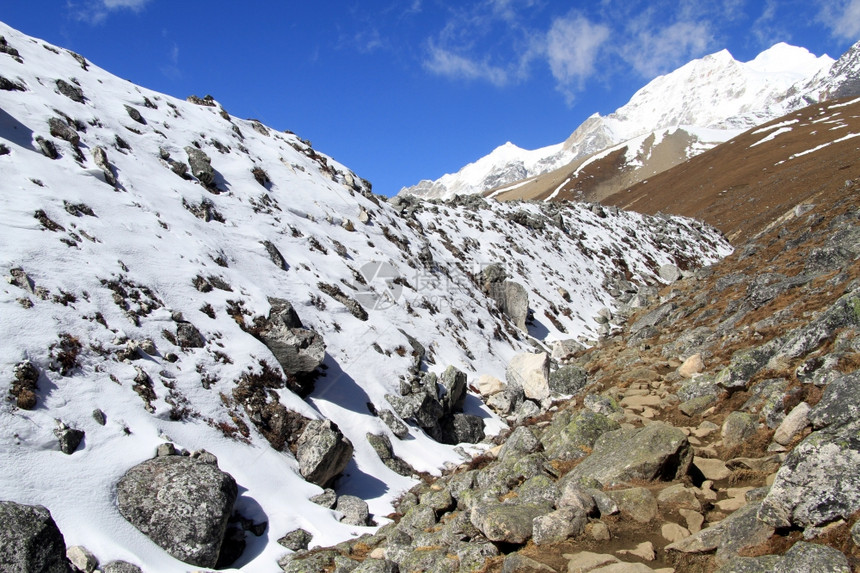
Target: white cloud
{"x":572,"y":47}
{"x":132,"y":4}
{"x":651,"y":52}
{"x":444,"y":62}
{"x":842,"y":17}
{"x":97,"y":11}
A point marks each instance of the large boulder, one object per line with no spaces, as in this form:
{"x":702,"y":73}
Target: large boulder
{"x":530,"y":371}
{"x":298,"y":350}
{"x":323,"y":452}
{"x":507,"y":522}
{"x":181,"y":503}
{"x":30,"y":541}
{"x":512,"y":297}
{"x":818,"y":482}
{"x":657,"y":451}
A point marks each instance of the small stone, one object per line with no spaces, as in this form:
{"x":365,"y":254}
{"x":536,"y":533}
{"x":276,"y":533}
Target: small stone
{"x":644,"y":550}
{"x":694,"y":519}
{"x":712,"y":469}
{"x":99,"y":417}
{"x":166,"y":449}
{"x":81,"y":558}
{"x":673,"y":532}
{"x":587,"y":561}
{"x":598,"y":531}
{"x":297,"y":540}
{"x":489,"y":385}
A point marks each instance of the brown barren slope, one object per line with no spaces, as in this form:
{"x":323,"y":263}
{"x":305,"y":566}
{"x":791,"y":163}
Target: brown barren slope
{"x":743,"y":188}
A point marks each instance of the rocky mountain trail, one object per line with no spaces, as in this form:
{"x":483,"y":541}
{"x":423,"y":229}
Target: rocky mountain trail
{"x":738,"y":402}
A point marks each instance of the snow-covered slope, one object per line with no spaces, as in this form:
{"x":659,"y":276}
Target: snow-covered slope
{"x":715,"y":92}
{"x":92,"y":266}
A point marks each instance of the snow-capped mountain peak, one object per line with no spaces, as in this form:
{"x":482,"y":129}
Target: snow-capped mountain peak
{"x":715,"y":92}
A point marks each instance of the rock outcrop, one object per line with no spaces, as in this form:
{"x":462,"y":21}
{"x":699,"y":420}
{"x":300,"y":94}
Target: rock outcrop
{"x":30,"y":541}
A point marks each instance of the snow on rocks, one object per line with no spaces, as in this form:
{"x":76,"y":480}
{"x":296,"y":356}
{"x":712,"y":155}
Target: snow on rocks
{"x":178,"y":250}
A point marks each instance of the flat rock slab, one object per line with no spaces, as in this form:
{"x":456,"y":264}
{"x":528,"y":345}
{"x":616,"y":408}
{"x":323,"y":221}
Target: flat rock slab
{"x":507,"y":522}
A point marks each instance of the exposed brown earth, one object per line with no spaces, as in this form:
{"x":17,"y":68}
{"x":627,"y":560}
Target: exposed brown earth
{"x":741,"y":189}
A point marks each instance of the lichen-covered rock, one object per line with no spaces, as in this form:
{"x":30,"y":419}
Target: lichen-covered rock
{"x":840,"y":402}
{"x":323,"y":452}
{"x":382,"y":446}
{"x":559,"y":525}
{"x":577,"y":437}
{"x":818,"y":482}
{"x":636,"y":502}
{"x":802,"y":556}
{"x":507,"y":522}
{"x":567,"y":380}
{"x":181,"y":503}
{"x":657,"y":451}
{"x":119,"y":566}
{"x":454,"y":389}
{"x":737,"y":428}
{"x":296,"y":540}
{"x":521,"y":441}
{"x":30,"y":541}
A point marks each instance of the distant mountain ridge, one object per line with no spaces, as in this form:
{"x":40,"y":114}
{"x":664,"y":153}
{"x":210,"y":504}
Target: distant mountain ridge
{"x":711,"y":99}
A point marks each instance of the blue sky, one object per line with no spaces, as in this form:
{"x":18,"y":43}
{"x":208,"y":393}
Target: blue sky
{"x":406,"y":90}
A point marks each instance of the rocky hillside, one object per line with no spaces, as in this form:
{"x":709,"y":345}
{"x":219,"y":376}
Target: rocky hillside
{"x":216,"y":336}
{"x":714,"y":429}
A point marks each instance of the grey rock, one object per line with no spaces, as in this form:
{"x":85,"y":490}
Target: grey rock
{"x":354,"y":510}
{"x":30,"y":541}
{"x":698,"y":387}
{"x":101,"y":160}
{"x":201,"y":166}
{"x":696,"y":406}
{"x":605,"y":405}
{"x":657,"y":451}
{"x":454,"y":389}
{"x":845,"y":312}
{"x":460,"y":428}
{"x":439,"y":501}
{"x":840,"y":402}
{"x":518,"y":563}
{"x":99,"y":417}
{"x":636,"y":502}
{"x":738,"y":531}
{"x":377,"y":566}
{"x":134,"y":114}
{"x":322,"y":452}
{"x":669,"y":273}
{"x":428,"y":560}
{"x":297,"y":350}
{"x":119,"y":566}
{"x":737,"y":428}
{"x":507,"y":522}
{"x":521,"y":441}
{"x":575,"y":440}
{"x":296,"y":540}
{"x":382,"y":446}
{"x":559,"y":525}
{"x":327,"y":499}
{"x":47,"y":147}
{"x":397,"y":427}
{"x":744,"y":365}
{"x":61,"y":129}
{"x":69,"y":438}
{"x":309,"y":563}
{"x":473,"y":555}
{"x":72,"y":92}
{"x":187,"y":336}
{"x":417,"y":518}
{"x":653,"y":318}
{"x":813,"y":557}
{"x":568,"y":380}
{"x":275,"y":255}
{"x":539,"y":489}
{"x":818,"y":482}
{"x":181,"y":504}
